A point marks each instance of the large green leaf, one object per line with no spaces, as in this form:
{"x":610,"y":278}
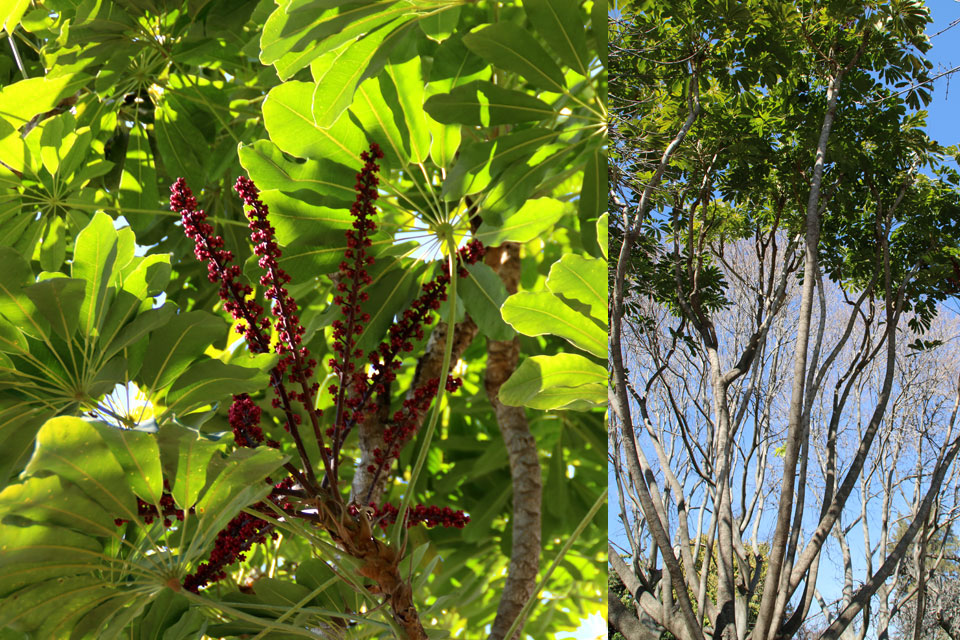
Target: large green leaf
{"x":296,"y":34}
{"x":540,"y":313}
{"x":337,"y":73}
{"x":530,"y":221}
{"x":60,"y":300}
{"x":288,"y":117}
{"x":583,"y":279}
{"x":561,"y":381}
{"x":559,"y":23}
{"x":484,"y":104}
{"x":512,"y":48}
{"x":174,"y":347}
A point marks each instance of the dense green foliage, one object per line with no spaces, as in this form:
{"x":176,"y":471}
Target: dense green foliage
{"x":492,"y":120}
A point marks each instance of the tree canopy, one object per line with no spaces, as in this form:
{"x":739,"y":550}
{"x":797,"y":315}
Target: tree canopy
{"x":164,"y":476}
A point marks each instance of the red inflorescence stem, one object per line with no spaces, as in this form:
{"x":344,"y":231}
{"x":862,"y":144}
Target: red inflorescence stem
{"x":351,"y":382}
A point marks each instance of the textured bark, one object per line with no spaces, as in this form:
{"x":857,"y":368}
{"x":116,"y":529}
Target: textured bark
{"x":625,"y":621}
{"x":502,"y":359}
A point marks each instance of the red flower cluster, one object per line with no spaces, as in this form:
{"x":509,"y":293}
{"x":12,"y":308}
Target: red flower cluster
{"x":231,"y":544}
{"x":295,"y":356}
{"x":406,"y":421}
{"x":244,"y":417}
{"x":208,"y":247}
{"x":349,"y":393}
{"x":431,"y":516}
{"x":234,"y":540}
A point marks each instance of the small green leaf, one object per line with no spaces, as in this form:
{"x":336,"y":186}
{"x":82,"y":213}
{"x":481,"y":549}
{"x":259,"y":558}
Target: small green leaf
{"x":483,"y":293}
{"x":441,"y":24}
{"x":536,"y":314}
{"x":93,"y":258}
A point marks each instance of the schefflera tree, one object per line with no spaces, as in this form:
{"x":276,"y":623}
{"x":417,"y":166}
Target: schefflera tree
{"x":491,"y":121}
{"x":779,"y":133}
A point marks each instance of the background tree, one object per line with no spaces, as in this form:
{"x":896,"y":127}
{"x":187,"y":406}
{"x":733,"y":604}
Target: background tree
{"x":119,"y":360}
{"x":762,"y":162}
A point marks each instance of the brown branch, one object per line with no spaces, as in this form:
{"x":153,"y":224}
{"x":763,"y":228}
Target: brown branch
{"x":502,"y":359}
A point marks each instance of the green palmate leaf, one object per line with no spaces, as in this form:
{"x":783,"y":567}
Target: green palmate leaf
{"x":93,"y":258}
{"x":530,"y":221}
{"x":602,"y":223}
{"x":478,"y":164}
{"x":163,"y":613}
{"x":377,"y":108}
{"x":138,"y":180}
{"x":441,"y":24}
{"x":593,"y":200}
{"x":598,"y":24}
{"x":49,"y":609}
{"x":484,"y":104}
{"x":47,"y":499}
{"x":582,"y":279}
{"x":294,"y":213}
{"x":288,"y":117}
{"x":514,"y":49}
{"x":209,"y":381}
{"x":560,"y":24}
{"x":408,"y":84}
{"x":561,"y":381}
{"x":53,"y":247}
{"x":444,"y":138}
{"x":270,"y":169}
{"x":483,"y":294}
{"x":60,"y":301}
{"x":186,"y":459}
{"x":15,"y":306}
{"x":139,"y":455}
{"x":182,"y":146}
{"x":390,"y":293}
{"x":337,"y":73}
{"x":240,"y":483}
{"x":22,"y":100}
{"x":175,"y":346}
{"x":324,"y":28}
{"x":11,"y":14}
{"x":537,"y":314}
{"x":73,"y":449}
{"x":19,"y":423}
